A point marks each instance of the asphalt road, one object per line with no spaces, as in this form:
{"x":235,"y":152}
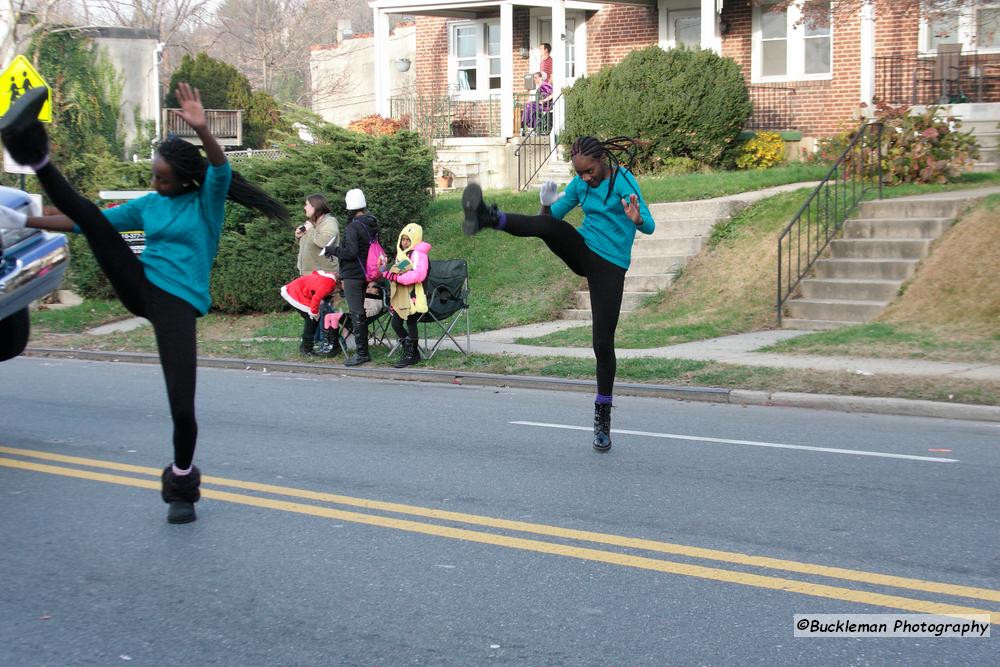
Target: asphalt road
{"x":357,"y":522}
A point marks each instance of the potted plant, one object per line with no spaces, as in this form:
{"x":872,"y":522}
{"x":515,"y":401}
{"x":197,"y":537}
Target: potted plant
{"x":444,"y":178}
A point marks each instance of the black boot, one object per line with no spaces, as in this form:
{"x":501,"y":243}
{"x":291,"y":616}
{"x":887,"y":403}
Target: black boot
{"x":361,"y":340}
{"x":410,"y":353}
{"x":602,"y":426}
{"x":328,"y":346}
{"x":477,"y":213}
{"x":306,"y":346}
{"x":181,"y":492}
{"x":20,"y":131}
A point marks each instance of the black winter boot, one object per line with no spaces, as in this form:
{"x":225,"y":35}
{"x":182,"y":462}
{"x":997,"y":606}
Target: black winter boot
{"x":477,"y":213}
{"x":306,"y":346}
{"x":328,"y":346}
{"x":181,"y":492}
{"x":602,"y":426}
{"x":410,"y":353}
{"x":21,"y":132}
{"x":361,"y":340}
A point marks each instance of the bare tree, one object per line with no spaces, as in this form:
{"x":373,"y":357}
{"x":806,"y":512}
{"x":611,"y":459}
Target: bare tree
{"x":21,"y":20}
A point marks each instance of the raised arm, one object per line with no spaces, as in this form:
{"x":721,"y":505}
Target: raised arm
{"x":193,"y":113}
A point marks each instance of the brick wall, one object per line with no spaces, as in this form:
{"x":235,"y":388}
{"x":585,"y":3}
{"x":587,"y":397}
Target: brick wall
{"x":615,"y":31}
{"x":818,"y":108}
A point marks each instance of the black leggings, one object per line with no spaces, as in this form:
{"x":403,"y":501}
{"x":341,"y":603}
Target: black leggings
{"x":410,"y":331}
{"x":173,"y":318}
{"x":605,"y":280}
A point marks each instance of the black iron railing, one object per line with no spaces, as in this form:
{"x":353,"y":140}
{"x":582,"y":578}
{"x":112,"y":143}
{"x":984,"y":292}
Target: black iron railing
{"x":773,"y":107}
{"x":855,"y":175}
{"x":538,"y":144}
{"x":943,"y":78}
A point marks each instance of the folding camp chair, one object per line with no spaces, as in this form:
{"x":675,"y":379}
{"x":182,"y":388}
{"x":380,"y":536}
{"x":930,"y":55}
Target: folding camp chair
{"x":447,"y":290}
{"x":378,"y":322}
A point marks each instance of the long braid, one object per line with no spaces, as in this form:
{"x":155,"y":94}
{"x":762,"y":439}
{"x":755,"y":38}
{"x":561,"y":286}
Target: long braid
{"x":189,"y":165}
{"x":617,"y":152}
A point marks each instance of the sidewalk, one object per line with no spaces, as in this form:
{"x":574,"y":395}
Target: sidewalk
{"x":738,"y":349}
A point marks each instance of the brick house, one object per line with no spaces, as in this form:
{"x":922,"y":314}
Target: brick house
{"x":810,"y":79}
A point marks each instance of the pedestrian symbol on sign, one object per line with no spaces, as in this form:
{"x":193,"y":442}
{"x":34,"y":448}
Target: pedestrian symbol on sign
{"x":17,"y":79}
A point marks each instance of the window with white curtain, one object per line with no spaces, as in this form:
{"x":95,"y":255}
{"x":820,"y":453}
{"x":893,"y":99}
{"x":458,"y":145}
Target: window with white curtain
{"x":974,"y":25}
{"x":474,"y":57}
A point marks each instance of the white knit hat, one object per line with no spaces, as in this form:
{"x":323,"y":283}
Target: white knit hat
{"x":355,"y":200}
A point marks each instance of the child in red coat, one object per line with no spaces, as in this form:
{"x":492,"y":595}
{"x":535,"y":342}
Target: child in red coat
{"x":305,"y":294}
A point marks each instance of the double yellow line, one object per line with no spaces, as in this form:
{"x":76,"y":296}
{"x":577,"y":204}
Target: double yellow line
{"x":541,"y":546}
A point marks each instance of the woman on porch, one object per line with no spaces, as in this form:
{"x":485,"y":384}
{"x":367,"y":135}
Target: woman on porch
{"x":537,"y":109}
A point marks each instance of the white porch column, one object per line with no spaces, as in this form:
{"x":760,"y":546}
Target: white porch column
{"x":709,"y":30}
{"x":381,"y":62}
{"x":506,"y":70}
{"x":867,"y":54}
{"x":558,"y":63}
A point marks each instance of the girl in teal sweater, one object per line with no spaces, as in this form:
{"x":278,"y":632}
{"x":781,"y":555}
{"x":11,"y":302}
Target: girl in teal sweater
{"x":600,"y":250}
{"x":168,"y":283}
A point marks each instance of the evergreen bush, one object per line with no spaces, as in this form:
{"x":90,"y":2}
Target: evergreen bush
{"x":685,"y":103}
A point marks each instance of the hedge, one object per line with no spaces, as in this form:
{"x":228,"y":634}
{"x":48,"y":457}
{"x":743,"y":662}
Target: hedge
{"x":685,"y":103}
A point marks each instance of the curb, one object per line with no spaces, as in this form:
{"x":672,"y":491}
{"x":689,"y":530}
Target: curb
{"x":873,"y":405}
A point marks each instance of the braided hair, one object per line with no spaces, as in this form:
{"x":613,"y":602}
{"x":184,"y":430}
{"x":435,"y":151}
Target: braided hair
{"x":616,"y":152}
{"x":190,"y":165}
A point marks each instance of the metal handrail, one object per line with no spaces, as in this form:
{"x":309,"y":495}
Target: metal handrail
{"x":533,"y":152}
{"x":856,"y":173}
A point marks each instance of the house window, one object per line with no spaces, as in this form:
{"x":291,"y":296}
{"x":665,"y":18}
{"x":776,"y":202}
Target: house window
{"x":545,"y":31}
{"x":791,"y":42}
{"x":493,"y":53}
{"x":474,"y":57}
{"x":976,"y":26}
{"x":466,"y":47}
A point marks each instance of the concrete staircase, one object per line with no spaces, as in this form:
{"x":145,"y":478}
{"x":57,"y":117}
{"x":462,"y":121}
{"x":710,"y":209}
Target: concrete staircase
{"x":865,"y":269}
{"x":682,"y":229}
{"x":465,"y":162}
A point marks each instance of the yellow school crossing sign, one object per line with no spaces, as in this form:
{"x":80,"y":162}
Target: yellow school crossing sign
{"x":16,"y":80}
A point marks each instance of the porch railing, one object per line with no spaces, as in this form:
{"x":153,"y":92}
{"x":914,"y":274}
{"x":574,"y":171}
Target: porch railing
{"x":773,"y":107}
{"x":852,"y":178}
{"x":538,"y":144}
{"x":442,"y":116}
{"x":943,"y":78}
{"x":226,"y":125}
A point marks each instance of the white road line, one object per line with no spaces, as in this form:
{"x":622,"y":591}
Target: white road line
{"x":752,"y":443}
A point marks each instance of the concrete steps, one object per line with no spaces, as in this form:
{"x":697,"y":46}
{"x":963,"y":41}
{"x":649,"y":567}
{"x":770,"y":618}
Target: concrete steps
{"x":867,"y":266}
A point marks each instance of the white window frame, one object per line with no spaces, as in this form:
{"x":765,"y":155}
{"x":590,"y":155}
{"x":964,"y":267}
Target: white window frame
{"x":795,"y":37}
{"x":536,"y":16}
{"x":668,"y":39}
{"x":967,"y":28}
{"x":482,"y":90}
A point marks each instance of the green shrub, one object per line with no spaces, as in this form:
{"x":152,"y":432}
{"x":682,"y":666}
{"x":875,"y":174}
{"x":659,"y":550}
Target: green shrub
{"x":686,"y":103}
{"x":763,"y":150}
{"x":924,"y":148}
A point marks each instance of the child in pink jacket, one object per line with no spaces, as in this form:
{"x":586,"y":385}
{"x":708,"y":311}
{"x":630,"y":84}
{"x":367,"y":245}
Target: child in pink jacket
{"x":407,"y":300}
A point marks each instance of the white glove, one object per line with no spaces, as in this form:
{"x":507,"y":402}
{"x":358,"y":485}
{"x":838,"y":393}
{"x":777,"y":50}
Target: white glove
{"x":11,"y":219}
{"x":549,"y":194}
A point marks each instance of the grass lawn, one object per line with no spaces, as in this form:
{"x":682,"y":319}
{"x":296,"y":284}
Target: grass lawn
{"x":729,"y":287}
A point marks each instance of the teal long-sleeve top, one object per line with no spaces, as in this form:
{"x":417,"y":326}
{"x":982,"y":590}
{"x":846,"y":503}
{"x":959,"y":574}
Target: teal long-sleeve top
{"x":182,"y":235}
{"x":606,"y":229}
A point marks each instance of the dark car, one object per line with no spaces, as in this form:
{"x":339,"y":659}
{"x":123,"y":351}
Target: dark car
{"x":32,"y":265}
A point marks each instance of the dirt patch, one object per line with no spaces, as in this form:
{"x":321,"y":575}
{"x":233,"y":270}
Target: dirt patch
{"x":955,"y":289}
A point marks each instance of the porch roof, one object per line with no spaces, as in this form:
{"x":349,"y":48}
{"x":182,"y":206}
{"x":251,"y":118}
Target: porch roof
{"x":476,"y":8}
